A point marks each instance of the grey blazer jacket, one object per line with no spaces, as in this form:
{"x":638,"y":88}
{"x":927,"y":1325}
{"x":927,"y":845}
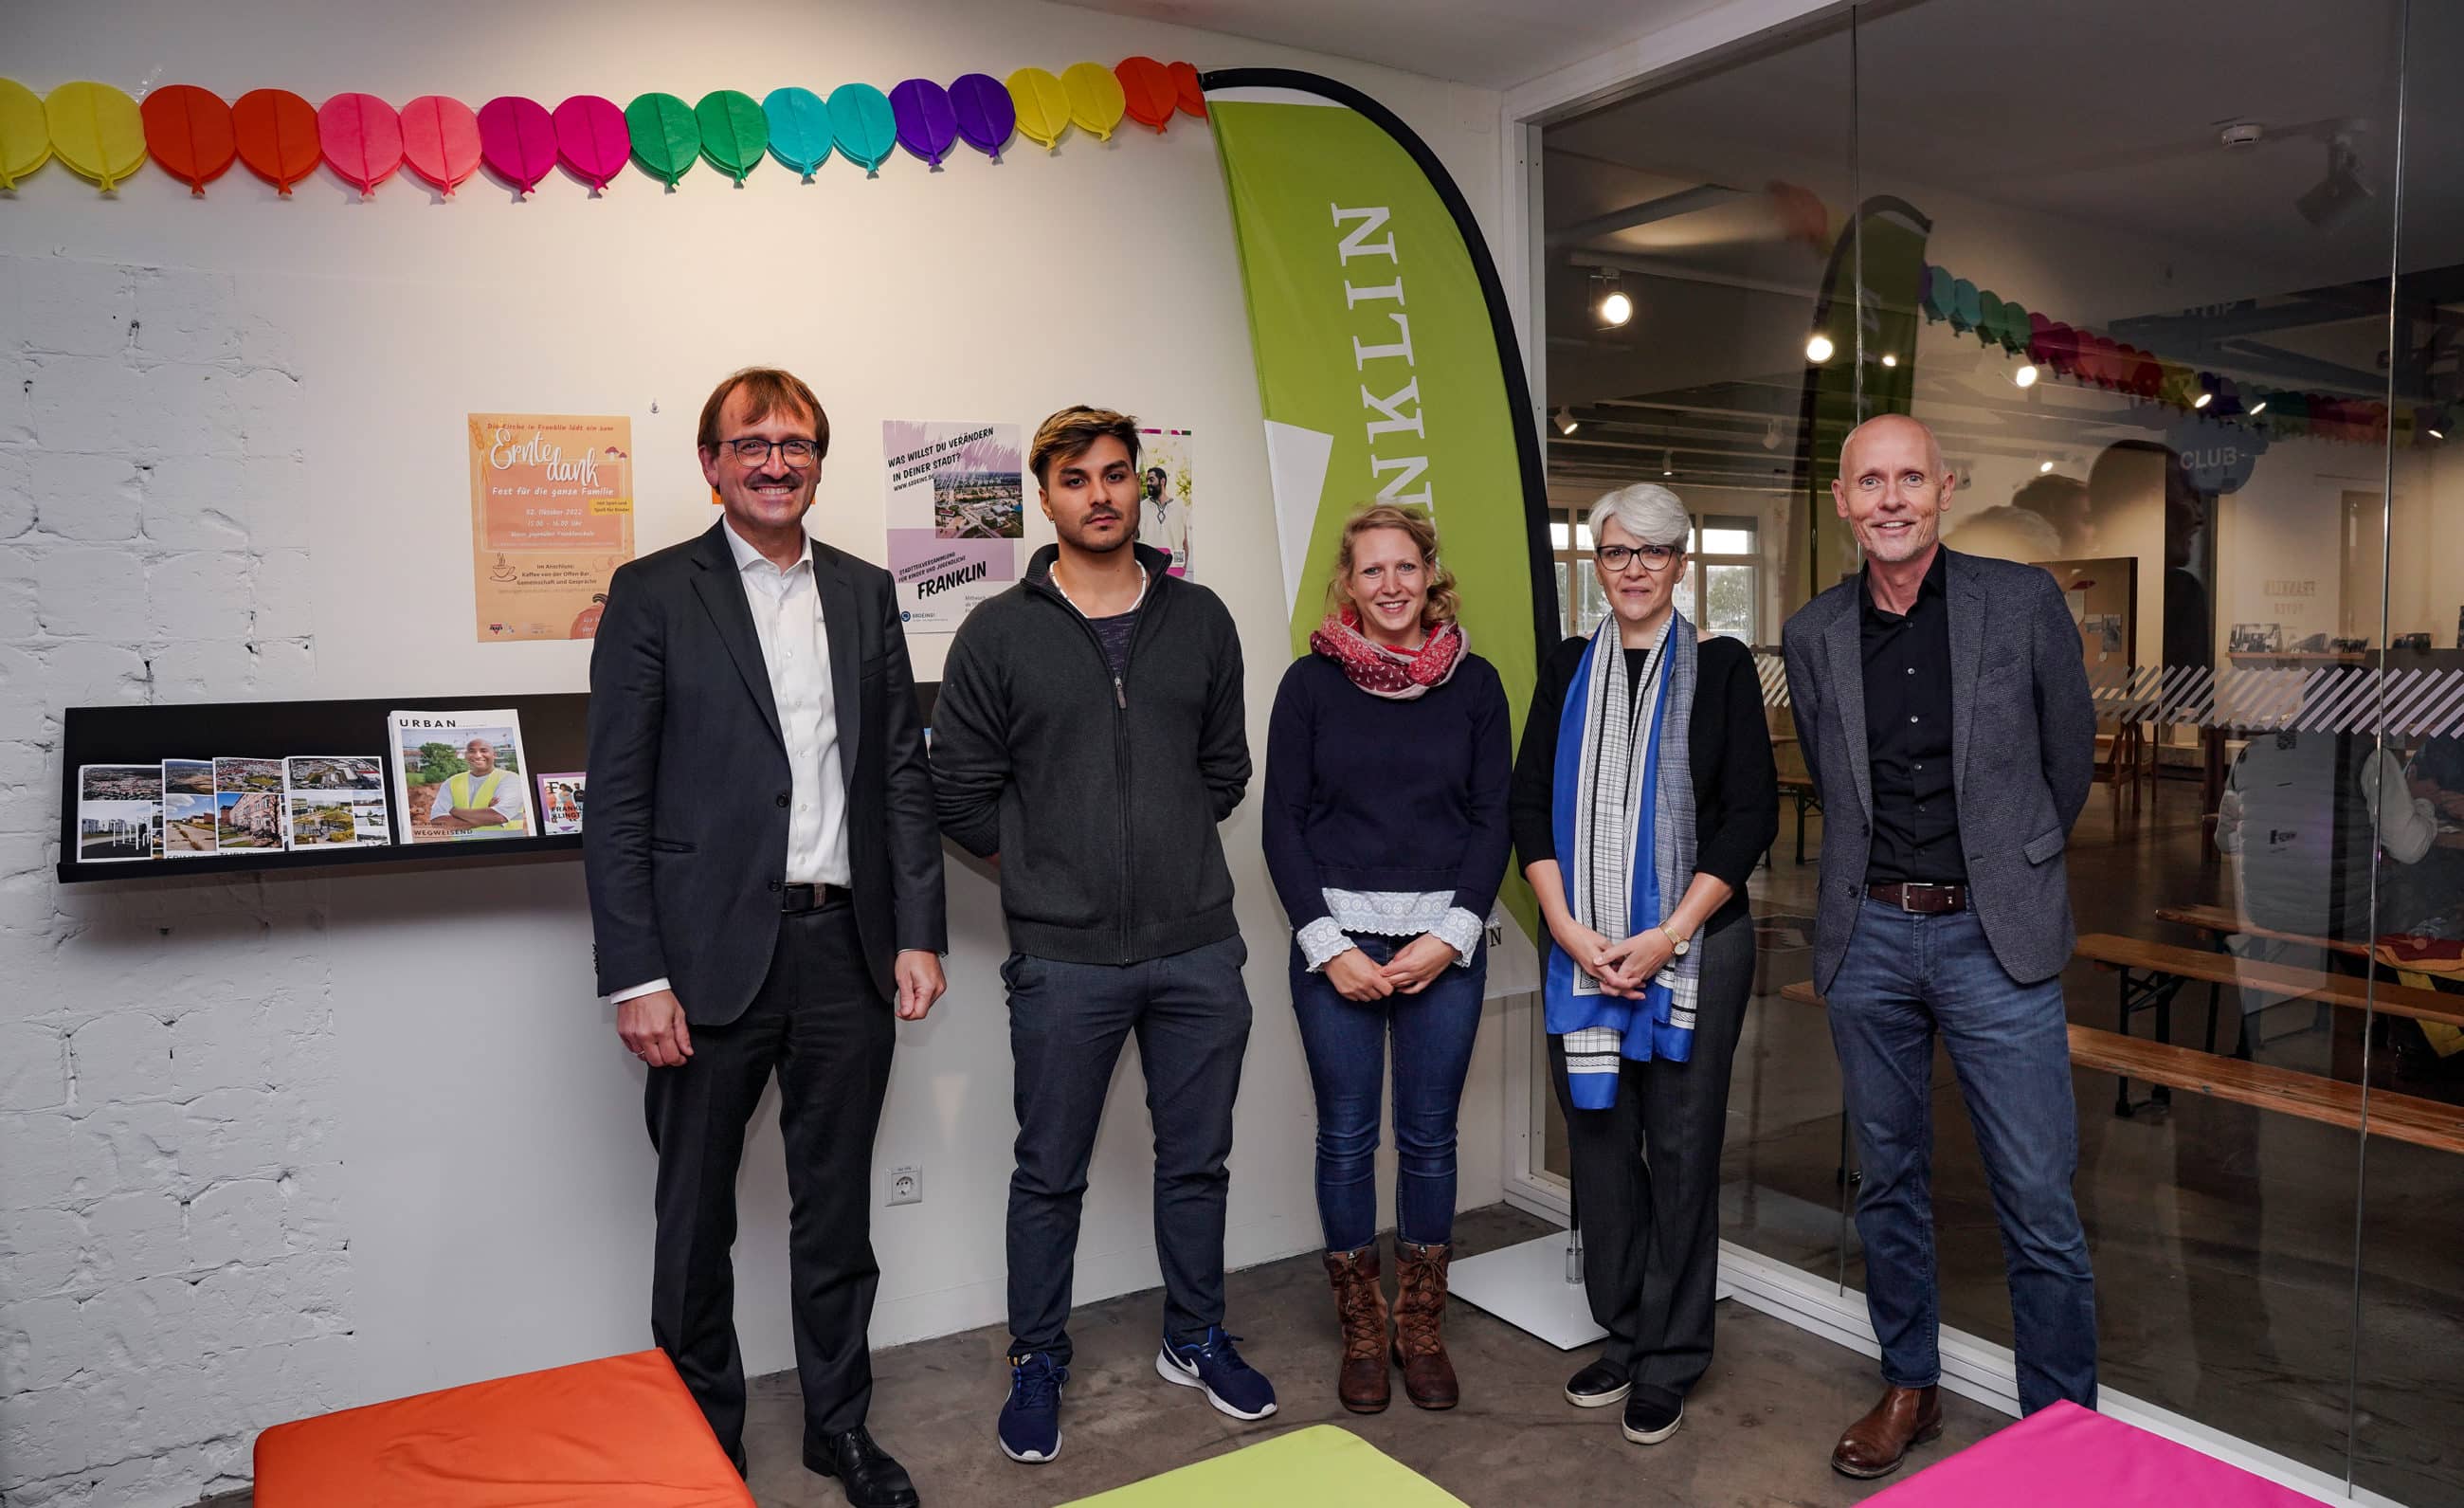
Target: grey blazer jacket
{"x":2023,"y":755}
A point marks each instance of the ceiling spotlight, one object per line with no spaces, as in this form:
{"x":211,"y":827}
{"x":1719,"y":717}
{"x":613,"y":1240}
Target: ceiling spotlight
{"x":1890,"y":359}
{"x":1668,"y":463}
{"x":2044,"y":468}
{"x":2203,"y":400}
{"x":2332,"y":201}
{"x":2438,"y":435}
{"x":2025,"y":376}
{"x":1611,"y":305}
{"x":1566,"y":422}
{"x":2261,"y":407}
{"x":1818,"y":350}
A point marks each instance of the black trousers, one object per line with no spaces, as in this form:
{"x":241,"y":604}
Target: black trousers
{"x":820,"y":1024}
{"x":1646,"y":1176}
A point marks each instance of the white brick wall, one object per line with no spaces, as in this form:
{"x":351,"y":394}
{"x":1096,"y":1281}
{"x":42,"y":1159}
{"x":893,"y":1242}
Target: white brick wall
{"x":174,"y":1275}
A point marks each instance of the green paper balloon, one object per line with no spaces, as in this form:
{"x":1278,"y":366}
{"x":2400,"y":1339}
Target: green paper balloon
{"x":665,"y":137}
{"x":735,"y":133}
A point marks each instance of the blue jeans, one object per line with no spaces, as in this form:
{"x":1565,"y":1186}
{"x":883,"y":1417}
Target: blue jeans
{"x":1346,"y":1043}
{"x":1904,"y":979}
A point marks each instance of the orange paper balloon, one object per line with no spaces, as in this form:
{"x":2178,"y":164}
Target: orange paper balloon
{"x":1148,"y":91}
{"x":188,"y":131}
{"x":277,"y":135}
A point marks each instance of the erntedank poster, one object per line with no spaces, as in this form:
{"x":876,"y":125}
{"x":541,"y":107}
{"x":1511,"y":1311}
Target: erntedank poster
{"x":551,"y":518}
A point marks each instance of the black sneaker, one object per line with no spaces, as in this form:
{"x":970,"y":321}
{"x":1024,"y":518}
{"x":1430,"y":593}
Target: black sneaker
{"x":1648,"y":1421}
{"x":1597,"y":1386}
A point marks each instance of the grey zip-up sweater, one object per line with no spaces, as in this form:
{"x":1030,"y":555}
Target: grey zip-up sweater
{"x":1100,"y":793}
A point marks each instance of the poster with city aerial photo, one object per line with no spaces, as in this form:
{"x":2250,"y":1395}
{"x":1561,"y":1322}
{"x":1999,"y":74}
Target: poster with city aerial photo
{"x":551,"y":518}
{"x":119,"y":812}
{"x":334,"y":801}
{"x":1167,"y":493}
{"x":457,"y":776}
{"x":956,"y":517}
{"x":188,"y":808}
{"x":247,"y":804}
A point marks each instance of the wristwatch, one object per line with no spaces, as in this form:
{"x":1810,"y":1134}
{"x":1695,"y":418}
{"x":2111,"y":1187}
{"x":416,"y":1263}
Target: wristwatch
{"x":1678,"y":945}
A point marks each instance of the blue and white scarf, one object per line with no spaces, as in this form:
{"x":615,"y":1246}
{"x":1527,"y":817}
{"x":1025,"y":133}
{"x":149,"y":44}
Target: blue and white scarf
{"x":1624,"y":790}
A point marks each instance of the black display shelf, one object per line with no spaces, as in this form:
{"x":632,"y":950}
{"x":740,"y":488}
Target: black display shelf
{"x":555,"y":737}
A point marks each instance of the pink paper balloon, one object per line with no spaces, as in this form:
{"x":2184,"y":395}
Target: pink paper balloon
{"x":440,"y":140}
{"x":592,"y":139}
{"x":361,"y":139}
{"x":517,"y":139}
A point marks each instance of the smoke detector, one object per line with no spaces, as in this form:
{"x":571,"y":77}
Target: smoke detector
{"x":2242,"y":133}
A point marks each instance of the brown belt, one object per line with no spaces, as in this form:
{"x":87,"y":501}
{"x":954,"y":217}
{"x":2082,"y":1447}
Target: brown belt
{"x":1931,"y":901}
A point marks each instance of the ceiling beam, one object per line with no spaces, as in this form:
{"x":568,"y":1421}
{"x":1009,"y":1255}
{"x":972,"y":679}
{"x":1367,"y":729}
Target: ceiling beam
{"x":1667,"y":207}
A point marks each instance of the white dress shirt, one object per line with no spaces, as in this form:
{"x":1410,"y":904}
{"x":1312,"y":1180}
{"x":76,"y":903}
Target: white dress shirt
{"x":794,"y":648}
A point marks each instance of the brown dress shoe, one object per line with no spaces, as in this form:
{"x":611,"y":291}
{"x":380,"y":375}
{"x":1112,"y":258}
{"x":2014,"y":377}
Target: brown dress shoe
{"x":1419,"y":1345}
{"x":1361,"y":1304}
{"x":1876,"y":1445}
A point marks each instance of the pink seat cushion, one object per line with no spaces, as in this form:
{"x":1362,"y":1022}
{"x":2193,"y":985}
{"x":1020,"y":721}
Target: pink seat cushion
{"x":2066,"y":1457}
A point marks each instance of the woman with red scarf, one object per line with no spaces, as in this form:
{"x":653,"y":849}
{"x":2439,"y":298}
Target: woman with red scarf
{"x":1388,"y":760}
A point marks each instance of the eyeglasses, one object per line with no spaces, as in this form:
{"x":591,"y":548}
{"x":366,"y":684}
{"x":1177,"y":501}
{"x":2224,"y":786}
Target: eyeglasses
{"x":1615,"y":558}
{"x":754,"y":451}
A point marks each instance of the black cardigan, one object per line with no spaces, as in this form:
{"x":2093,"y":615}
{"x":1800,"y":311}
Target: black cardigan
{"x":1737,"y":787}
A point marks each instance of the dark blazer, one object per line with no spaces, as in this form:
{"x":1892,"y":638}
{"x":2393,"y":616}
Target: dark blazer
{"x":686,"y":839}
{"x":1737,"y":787}
{"x":2023,"y":755}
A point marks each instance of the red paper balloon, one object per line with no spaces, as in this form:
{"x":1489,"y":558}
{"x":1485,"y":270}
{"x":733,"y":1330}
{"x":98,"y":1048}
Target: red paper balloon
{"x":188,"y":131}
{"x":592,"y":139}
{"x":517,"y":139}
{"x":361,"y":139}
{"x":440,"y":140}
{"x":276,"y":131}
{"x":1148,"y":90}
{"x":1193,"y":94}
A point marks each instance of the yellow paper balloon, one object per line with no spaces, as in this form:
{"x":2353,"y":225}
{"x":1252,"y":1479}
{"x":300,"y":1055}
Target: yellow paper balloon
{"x":96,"y":130}
{"x":1042,"y":106}
{"x":25,"y":135}
{"x":1095,"y":99}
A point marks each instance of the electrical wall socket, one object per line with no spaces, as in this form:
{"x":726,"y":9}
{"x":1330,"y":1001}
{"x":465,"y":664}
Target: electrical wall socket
{"x":906,"y":1187}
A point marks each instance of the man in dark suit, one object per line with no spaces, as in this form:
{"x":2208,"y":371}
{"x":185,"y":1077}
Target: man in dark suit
{"x":765,"y":886}
{"x":1942,"y":708}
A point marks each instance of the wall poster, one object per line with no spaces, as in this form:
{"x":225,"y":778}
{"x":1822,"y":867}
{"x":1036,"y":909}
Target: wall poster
{"x":957,"y":515}
{"x":551,"y":518}
{"x":1167,"y":492}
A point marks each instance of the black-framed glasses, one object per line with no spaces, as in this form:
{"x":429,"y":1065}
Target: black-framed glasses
{"x":752,"y":450}
{"x":1615,"y":558}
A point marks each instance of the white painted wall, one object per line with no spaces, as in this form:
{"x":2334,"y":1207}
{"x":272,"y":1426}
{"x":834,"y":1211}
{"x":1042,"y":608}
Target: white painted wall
{"x":267,"y":1151}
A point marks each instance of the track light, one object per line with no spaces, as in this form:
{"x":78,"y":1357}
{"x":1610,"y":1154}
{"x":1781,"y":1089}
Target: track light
{"x":2044,"y":468}
{"x":2203,"y":400}
{"x":2025,"y":376}
{"x":2261,"y":407}
{"x":2331,"y":202}
{"x":1818,"y":350}
{"x":1566,"y":421}
{"x":1611,"y":305}
{"x":1668,"y":463}
{"x":1890,"y":359}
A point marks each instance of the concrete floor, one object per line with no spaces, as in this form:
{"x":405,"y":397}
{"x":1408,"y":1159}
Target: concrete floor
{"x":1758,"y":1432}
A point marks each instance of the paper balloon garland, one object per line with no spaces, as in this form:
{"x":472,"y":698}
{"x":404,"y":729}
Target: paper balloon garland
{"x":591,"y":140}
{"x":189,"y":134}
{"x":864,"y":126}
{"x":518,"y":141}
{"x":96,"y":130}
{"x":985,"y":116}
{"x":735,"y":133}
{"x":361,"y":136}
{"x":666,"y":142}
{"x":1147,"y":88}
{"x":25,"y":135}
{"x":800,"y":128}
{"x":1042,"y":106}
{"x":440,"y":140}
{"x":1095,"y":101}
{"x":1193,"y":90}
{"x":276,"y":132}
{"x":928,"y":123}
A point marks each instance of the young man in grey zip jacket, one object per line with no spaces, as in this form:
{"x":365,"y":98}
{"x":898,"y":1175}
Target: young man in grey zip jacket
{"x":1088,"y":736}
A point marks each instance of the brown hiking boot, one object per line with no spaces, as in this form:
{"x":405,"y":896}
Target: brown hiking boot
{"x":1419,"y":1305}
{"x":1361,"y":1304}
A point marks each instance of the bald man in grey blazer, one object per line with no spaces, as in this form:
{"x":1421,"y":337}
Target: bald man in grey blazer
{"x":1942,"y":708}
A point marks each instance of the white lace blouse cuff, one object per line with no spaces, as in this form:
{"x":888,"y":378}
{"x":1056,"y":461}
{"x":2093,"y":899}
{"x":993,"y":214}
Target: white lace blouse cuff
{"x":1321,"y":942}
{"x":1461,"y":930}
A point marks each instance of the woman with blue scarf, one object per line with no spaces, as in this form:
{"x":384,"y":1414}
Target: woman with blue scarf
{"x":1644,"y":795}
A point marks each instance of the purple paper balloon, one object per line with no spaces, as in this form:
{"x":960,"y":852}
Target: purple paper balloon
{"x":927,"y":121}
{"x":985,"y":114}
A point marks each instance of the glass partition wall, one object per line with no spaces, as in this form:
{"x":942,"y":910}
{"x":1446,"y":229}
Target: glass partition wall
{"x":2181,"y":293}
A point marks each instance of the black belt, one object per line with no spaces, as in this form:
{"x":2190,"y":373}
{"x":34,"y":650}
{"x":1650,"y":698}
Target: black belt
{"x":1923,"y":899}
{"x":810,"y":897}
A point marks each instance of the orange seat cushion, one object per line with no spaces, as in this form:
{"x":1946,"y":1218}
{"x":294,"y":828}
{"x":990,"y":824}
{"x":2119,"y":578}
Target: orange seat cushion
{"x":621,"y":1432}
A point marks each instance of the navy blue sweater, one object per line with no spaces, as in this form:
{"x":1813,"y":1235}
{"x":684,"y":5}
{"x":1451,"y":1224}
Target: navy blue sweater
{"x":1367,"y":794}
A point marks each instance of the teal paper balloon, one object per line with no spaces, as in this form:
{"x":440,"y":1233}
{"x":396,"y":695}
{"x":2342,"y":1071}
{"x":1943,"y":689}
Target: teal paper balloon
{"x":863,"y":126}
{"x":928,"y":125}
{"x":800,"y":128}
{"x":667,"y":140}
{"x":986,"y":115}
{"x":735,"y":133}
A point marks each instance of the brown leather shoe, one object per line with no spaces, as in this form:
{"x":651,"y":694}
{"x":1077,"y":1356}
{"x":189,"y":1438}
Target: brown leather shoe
{"x":1361,"y":1304}
{"x":1876,"y":1445}
{"x":1420,"y":1307}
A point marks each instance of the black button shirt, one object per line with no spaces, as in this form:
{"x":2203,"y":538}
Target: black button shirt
{"x":1908,"y":737}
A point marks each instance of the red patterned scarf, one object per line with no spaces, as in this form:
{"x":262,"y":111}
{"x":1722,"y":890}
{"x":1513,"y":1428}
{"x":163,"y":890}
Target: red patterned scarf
{"x":1397,"y":675}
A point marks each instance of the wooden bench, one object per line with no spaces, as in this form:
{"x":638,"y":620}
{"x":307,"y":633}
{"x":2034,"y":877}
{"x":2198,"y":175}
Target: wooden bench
{"x":2401,"y":1118}
{"x":2216,"y":922}
{"x":1799,"y":789}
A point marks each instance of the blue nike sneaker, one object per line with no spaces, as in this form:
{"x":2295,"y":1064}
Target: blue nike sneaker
{"x":1030,"y":1421}
{"x":1232,"y":1385}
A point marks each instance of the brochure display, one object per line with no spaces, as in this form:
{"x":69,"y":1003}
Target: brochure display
{"x":457,"y":775}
